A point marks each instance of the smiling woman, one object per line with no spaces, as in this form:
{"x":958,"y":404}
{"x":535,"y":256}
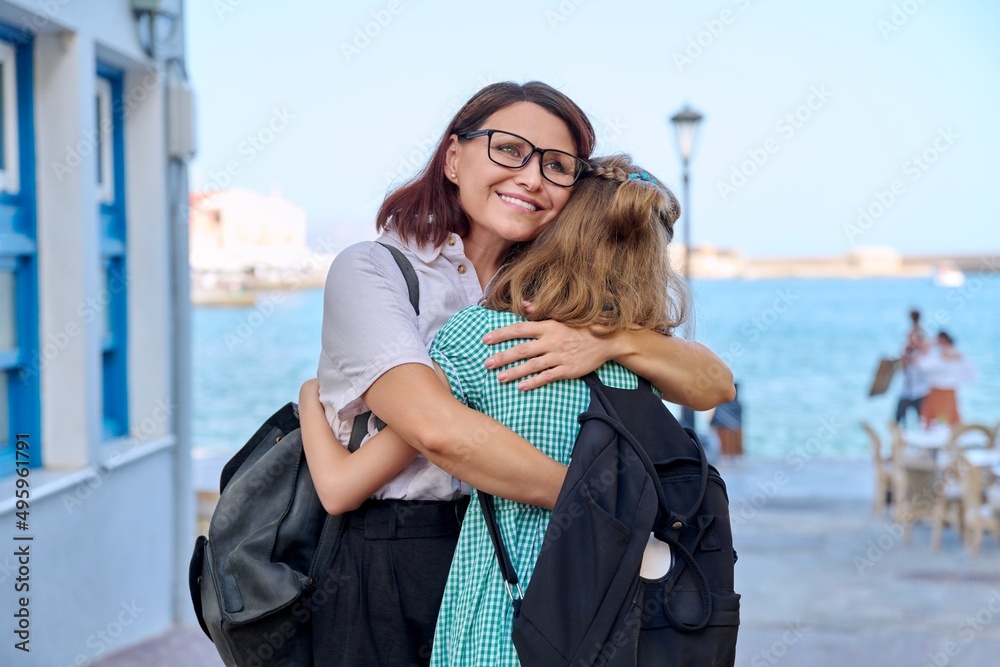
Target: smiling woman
{"x":503,"y":197}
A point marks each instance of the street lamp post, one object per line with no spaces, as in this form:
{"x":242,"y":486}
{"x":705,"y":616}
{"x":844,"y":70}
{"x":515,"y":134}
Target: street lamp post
{"x":686,"y":125}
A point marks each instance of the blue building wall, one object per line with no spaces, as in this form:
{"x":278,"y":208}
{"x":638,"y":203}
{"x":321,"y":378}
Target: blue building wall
{"x":99,"y":562}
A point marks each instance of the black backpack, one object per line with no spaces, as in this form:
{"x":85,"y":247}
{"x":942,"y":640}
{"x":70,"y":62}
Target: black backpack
{"x":634,"y":471}
{"x":253,"y":580}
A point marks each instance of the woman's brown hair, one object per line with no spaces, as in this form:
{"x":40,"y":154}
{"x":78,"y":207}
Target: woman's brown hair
{"x":603,"y":262}
{"x":427,"y":208}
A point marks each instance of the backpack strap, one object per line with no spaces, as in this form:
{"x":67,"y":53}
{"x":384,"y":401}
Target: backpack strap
{"x":671,"y":515}
{"x":326,"y":547}
{"x":594,"y":380}
{"x":409,"y":274}
{"x":503,"y":557}
{"x":704,"y":590}
{"x":358,"y":431}
{"x":360,"y":427}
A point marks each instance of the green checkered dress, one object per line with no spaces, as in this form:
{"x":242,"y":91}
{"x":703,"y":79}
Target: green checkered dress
{"x":474,"y":623}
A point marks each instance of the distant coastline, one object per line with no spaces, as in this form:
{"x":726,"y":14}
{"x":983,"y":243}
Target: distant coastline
{"x":243,"y":243}
{"x":708,"y":262}
{"x":224,"y":287}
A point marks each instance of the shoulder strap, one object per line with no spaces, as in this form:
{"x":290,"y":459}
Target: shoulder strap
{"x":503,"y":557}
{"x":326,"y":547}
{"x":360,"y":427}
{"x":594,"y":382}
{"x":409,"y":274}
{"x":358,"y":431}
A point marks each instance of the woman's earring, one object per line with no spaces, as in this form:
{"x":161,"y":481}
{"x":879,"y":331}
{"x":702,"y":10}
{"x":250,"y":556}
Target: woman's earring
{"x":454,"y":175}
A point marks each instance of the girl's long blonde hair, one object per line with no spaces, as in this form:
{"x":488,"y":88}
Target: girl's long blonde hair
{"x":603,"y":262}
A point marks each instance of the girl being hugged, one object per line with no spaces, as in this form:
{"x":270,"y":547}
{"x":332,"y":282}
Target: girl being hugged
{"x":603,"y":264}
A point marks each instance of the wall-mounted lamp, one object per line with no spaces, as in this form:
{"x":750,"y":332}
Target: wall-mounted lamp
{"x":153,"y":17}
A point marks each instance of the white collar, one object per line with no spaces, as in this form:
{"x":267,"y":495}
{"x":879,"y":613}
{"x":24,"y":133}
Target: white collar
{"x":426,"y":253}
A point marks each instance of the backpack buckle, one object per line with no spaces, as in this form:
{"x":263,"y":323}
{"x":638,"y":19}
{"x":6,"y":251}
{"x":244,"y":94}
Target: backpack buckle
{"x":510,"y":593}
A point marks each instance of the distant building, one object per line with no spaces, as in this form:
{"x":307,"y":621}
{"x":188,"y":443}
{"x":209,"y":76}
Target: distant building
{"x":709,"y":261}
{"x":875,"y":261}
{"x":97,"y":509}
{"x":242,"y":242}
{"x":240,"y":230}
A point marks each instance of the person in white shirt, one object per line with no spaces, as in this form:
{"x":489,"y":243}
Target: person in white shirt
{"x":944,"y":368}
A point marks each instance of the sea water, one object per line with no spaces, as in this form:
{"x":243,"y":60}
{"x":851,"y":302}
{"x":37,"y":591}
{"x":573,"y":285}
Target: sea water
{"x":803,"y":351}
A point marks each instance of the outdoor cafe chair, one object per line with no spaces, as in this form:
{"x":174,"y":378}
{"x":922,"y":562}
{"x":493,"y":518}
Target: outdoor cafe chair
{"x":915,"y":483}
{"x":948,"y":502}
{"x":979,"y":516}
{"x":883,"y":472}
{"x":967,"y":436}
{"x":949,"y":497}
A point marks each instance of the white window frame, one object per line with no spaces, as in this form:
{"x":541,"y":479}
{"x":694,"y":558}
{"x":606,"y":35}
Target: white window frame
{"x":10,"y":175}
{"x":106,"y":190}
{"x":5,"y":409}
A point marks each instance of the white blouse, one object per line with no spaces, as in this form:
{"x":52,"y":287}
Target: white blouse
{"x":944,"y":372}
{"x":369,"y":327}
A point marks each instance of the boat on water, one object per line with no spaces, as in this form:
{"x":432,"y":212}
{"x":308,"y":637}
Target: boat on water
{"x":948,"y":275}
{"x":213,"y":290}
{"x":221,"y":297}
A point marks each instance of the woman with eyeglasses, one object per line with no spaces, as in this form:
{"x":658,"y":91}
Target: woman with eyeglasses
{"x":503,"y":171}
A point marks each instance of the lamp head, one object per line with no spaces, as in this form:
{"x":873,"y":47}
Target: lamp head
{"x":686,"y":124}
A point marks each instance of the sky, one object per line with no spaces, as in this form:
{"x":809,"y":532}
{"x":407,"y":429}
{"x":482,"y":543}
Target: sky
{"x":829,"y":127}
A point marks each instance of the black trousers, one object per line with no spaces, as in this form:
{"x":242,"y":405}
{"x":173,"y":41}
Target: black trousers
{"x":905,"y":404}
{"x":387,"y":581}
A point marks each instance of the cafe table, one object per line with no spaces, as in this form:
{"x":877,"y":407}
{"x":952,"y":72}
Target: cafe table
{"x":930,"y":440}
{"x":984,"y":458}
{"x":936,"y":438}
{"x":987,"y":460}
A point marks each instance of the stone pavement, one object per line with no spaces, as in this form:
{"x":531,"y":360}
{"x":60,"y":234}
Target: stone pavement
{"x":824,"y":582}
{"x":184,"y":646}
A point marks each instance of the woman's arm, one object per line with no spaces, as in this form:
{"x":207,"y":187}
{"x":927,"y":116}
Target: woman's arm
{"x":344,"y":480}
{"x":371,"y":338}
{"x":461,"y":441}
{"x":686,"y":372}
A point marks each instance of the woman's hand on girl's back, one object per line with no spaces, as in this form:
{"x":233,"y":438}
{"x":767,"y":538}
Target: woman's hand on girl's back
{"x":551,"y":351}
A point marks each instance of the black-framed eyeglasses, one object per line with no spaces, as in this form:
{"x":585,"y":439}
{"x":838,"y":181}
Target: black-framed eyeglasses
{"x":512,"y":151}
